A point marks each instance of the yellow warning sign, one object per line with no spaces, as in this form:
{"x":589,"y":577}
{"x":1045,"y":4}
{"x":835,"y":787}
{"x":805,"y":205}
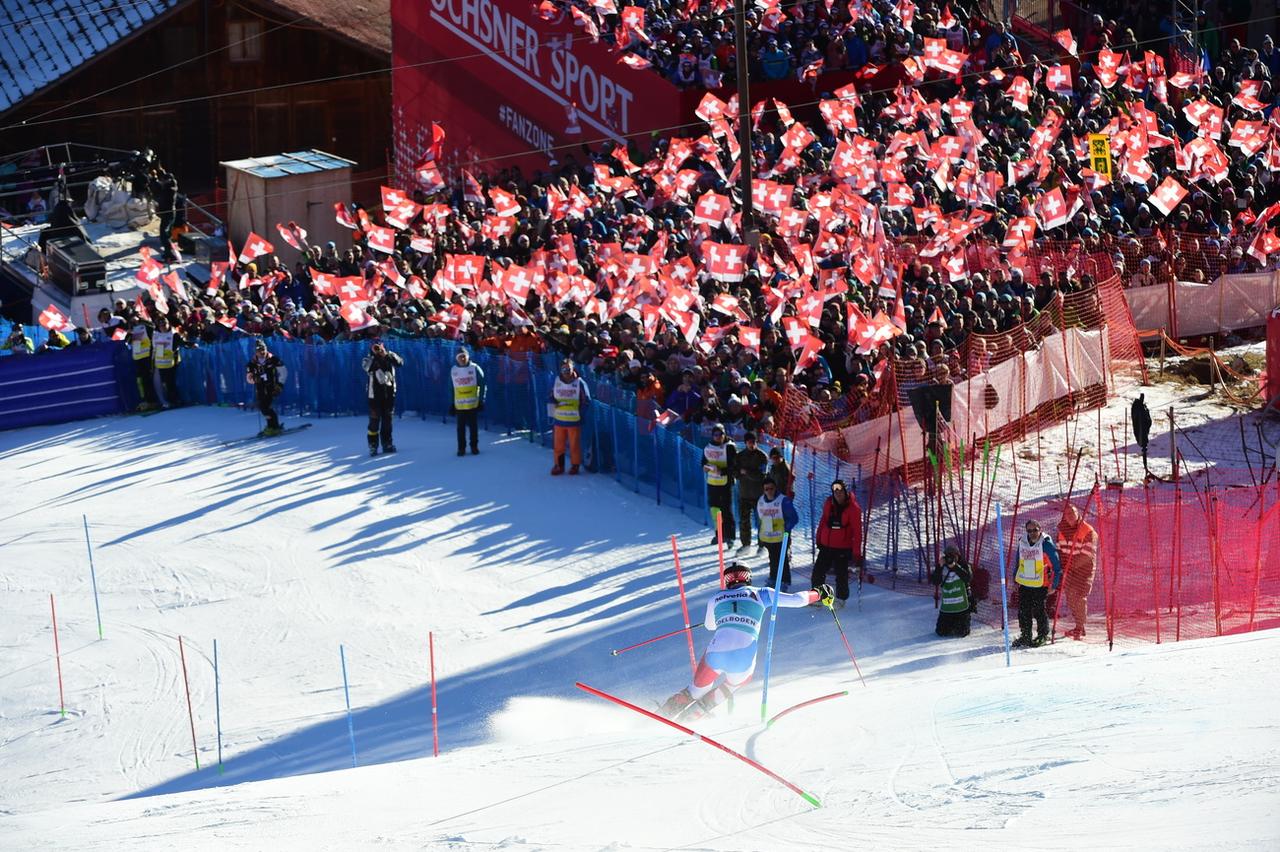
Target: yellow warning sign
{"x":1100,"y":154}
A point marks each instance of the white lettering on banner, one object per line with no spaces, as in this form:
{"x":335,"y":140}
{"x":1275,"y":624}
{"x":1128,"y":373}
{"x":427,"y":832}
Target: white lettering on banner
{"x":526,"y":129}
{"x":514,"y":45}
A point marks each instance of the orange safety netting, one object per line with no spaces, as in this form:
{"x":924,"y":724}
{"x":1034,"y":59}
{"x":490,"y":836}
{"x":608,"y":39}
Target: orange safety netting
{"x":1188,"y":560}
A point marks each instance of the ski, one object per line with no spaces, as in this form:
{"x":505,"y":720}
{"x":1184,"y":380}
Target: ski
{"x":261,"y":437}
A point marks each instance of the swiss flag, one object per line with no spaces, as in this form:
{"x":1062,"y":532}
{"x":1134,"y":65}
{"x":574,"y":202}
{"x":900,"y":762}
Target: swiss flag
{"x":351,"y":291}
{"x":255,"y":246}
{"x":808,"y":354}
{"x":54,"y":320}
{"x":504,"y":203}
{"x":711,"y":209}
{"x":471,"y":190}
{"x":861,"y":330}
{"x":1020,"y":93}
{"x":323,"y":283}
{"x":149,"y":272}
{"x":1058,"y":79}
{"x":749,"y":338}
{"x":724,"y":261}
{"x":1067,"y":40}
{"x":429,"y":177}
{"x":1020,"y":232}
{"x":343,"y":214}
{"x":392,"y":197}
{"x":293,"y":234}
{"x":687,"y":322}
{"x":356,"y":316}
{"x":382,"y":239}
{"x":1051,"y":208}
{"x":516,"y":283}
{"x":1264,"y":245}
{"x":795,"y":330}
{"x":217,"y":276}
{"x":1167,"y":196}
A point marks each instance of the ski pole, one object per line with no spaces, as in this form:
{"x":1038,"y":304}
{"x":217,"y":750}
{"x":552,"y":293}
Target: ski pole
{"x":847,"y":646}
{"x":773,"y":624}
{"x":615,"y":652}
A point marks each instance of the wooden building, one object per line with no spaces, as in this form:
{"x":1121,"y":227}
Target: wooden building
{"x":199,"y":81}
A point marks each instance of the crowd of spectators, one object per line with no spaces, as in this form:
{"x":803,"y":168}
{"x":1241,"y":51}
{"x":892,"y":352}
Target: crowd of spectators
{"x":949,"y":181}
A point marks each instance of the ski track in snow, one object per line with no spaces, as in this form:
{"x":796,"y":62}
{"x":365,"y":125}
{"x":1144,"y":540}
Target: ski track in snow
{"x":283,"y":550}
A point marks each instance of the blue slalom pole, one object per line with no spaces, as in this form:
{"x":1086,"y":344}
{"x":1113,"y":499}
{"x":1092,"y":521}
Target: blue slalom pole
{"x":773,"y":623}
{"x":93,"y":575}
{"x":1004,"y":586}
{"x":351,"y":728}
{"x":217,"y":703}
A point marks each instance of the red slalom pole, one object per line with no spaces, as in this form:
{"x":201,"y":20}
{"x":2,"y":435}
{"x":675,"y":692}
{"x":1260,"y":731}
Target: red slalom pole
{"x":803,"y":704}
{"x":57,"y":655}
{"x":190,"y":713}
{"x":847,"y":646}
{"x":435,"y":726}
{"x":615,"y":652}
{"x":775,"y":776}
{"x":719,"y":545}
{"x":684,"y":604}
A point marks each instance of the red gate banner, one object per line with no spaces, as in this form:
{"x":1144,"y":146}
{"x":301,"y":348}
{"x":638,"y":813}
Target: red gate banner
{"x":509,"y":88}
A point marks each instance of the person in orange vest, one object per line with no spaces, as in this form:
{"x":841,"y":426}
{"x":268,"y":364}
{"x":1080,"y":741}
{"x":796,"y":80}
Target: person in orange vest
{"x":568,"y":401}
{"x":1039,"y":570}
{"x":1078,"y":547}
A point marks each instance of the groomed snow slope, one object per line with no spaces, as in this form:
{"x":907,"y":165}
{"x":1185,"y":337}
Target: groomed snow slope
{"x":283,"y":550}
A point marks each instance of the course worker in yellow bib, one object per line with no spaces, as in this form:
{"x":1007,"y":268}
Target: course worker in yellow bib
{"x":568,"y":404}
{"x":468,"y":399}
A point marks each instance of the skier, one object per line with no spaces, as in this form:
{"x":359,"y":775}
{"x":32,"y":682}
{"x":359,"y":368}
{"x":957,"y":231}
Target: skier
{"x":569,"y":398}
{"x":717,"y":467}
{"x":839,"y":539}
{"x":381,"y":365}
{"x":1039,"y":569}
{"x":748,"y":471}
{"x":1078,"y":546}
{"x":952,"y":577}
{"x":266,"y":373}
{"x":468,"y":399}
{"x":735,"y":614}
{"x":777,"y":516}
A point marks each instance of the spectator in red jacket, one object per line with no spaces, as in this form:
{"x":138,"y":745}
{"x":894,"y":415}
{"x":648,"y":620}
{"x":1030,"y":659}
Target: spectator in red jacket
{"x":839,"y":539}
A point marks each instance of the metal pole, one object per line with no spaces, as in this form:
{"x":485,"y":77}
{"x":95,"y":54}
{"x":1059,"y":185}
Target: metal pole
{"x":744,"y":119}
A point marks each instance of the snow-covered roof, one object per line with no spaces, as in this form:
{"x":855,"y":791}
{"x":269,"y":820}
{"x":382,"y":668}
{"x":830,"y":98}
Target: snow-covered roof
{"x":44,"y":40}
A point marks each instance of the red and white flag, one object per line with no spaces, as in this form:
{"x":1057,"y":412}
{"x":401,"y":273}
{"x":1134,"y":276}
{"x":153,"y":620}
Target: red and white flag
{"x":711,"y":209}
{"x":1067,"y":40}
{"x":356,"y":316}
{"x":1167,"y":196}
{"x":343,"y":214}
{"x":54,"y":320}
{"x":293,"y":234}
{"x":724,"y":261}
{"x":1051,"y":209}
{"x":382,"y":239}
{"x":254,"y":247}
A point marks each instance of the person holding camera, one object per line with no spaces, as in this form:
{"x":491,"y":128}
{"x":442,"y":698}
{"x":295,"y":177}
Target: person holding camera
{"x":266,"y":372}
{"x":952,"y":578}
{"x":839,"y":539}
{"x":468,"y":399}
{"x":381,"y":365}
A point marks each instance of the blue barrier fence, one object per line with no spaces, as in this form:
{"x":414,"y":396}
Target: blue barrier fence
{"x":328,"y":380}
{"x":72,"y":384}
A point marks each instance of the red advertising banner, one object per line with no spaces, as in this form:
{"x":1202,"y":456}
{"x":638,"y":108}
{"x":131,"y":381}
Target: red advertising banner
{"x":509,"y":88}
